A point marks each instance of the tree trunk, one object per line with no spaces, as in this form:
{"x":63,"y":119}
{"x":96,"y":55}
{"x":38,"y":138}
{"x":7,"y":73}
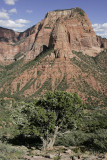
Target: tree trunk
{"x":44,"y":144}
{"x":49,"y":142}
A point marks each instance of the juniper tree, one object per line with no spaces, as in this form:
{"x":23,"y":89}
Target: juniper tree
{"x":55,"y":112}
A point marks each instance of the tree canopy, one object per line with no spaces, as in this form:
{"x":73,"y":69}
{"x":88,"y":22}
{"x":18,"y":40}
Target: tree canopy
{"x":54,"y":112}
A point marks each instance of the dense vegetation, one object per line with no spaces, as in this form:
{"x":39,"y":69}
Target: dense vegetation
{"x":92,"y":135}
{"x":57,"y":118}
{"x":9,"y":152}
{"x":58,"y":111}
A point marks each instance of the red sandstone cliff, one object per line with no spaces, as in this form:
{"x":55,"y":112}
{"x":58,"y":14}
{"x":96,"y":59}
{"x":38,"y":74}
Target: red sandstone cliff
{"x":65,"y":30}
{"x":60,"y":34}
{"x":102,"y":42}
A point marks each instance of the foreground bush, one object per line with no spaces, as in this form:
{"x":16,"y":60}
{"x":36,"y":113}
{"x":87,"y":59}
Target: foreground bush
{"x":8,"y":152}
{"x":94,"y":141}
{"x":74,"y":138}
{"x":57,"y":118}
{"x":7,"y":128}
{"x":99,"y":140}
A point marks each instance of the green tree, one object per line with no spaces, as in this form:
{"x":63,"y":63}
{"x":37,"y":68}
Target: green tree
{"x":55,"y":112}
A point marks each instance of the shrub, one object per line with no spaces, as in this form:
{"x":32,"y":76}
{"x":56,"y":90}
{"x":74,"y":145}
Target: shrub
{"x":8,"y":152}
{"x":74,"y":138}
{"x":100,"y":140}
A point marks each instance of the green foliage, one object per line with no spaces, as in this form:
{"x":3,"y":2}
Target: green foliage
{"x":93,"y":133}
{"x":101,"y":60}
{"x":4,"y":118}
{"x":100,"y":140}
{"x":79,"y":10}
{"x":7,"y":128}
{"x":39,"y":119}
{"x":62,"y":86}
{"x":9,"y":74}
{"x":19,"y":42}
{"x":44,"y":54}
{"x":32,"y":119}
{"x":18,"y":87}
{"x":8,"y":152}
{"x":13,"y":66}
{"x":47,"y":26}
{"x":18,"y":55}
{"x":57,"y":109}
{"x":95,"y":125}
{"x":73,"y":138}
{"x":93,"y":141}
{"x":27,"y":86}
{"x":46,"y":86}
{"x":93,"y":67}
{"x":68,"y":108}
{"x":35,"y":61}
{"x":13,"y":70}
{"x":95,"y":120}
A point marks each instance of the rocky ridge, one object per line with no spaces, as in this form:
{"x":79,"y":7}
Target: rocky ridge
{"x":61,"y":52}
{"x":65,"y":30}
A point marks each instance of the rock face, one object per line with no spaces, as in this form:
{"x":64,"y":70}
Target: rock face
{"x":65,"y":30}
{"x":61,"y":52}
{"x":7,"y":35}
{"x":76,"y":27}
{"x":102,"y":42}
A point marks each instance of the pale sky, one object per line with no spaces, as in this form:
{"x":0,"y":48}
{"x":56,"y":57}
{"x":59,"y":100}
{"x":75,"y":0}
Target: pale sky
{"x":22,"y":14}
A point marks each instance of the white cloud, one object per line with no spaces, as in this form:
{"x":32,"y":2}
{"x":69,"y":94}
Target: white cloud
{"x":15,"y":25}
{"x":6,"y":20}
{"x":13,"y":10}
{"x":18,"y":29}
{"x":10,"y":23}
{"x":22,"y":21}
{"x":100,"y":29}
{"x":10,"y":2}
{"x":29,"y":11}
{"x":4,"y":14}
{"x":104,"y":35}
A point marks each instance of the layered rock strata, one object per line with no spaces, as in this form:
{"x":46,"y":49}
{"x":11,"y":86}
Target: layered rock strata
{"x":64,"y":30}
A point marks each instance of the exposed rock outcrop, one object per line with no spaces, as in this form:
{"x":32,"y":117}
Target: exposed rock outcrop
{"x":61,"y":52}
{"x":7,"y":35}
{"x":65,"y":30}
{"x":102,"y":42}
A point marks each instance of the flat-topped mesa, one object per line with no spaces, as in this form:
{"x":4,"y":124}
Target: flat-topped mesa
{"x":77,"y":29}
{"x":65,"y":13}
{"x":63,"y":30}
{"x":52,"y":16}
{"x":75,"y":26}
